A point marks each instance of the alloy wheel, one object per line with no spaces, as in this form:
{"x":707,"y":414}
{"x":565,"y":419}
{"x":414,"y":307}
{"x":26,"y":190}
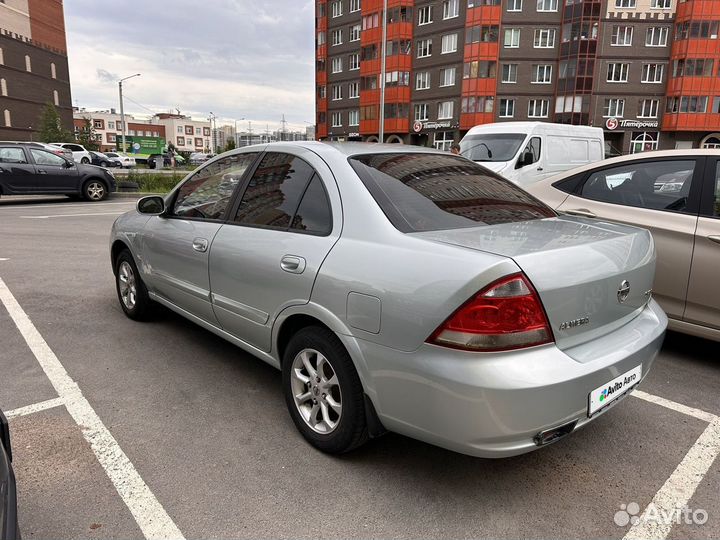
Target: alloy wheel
{"x":95,"y":191}
{"x":316,"y":391}
{"x":127,"y":285}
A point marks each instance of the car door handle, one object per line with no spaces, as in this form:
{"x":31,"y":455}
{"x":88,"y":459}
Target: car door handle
{"x":539,"y":168}
{"x":42,"y":171}
{"x":582,"y":212}
{"x":714,"y":238}
{"x":292,"y":264}
{"x":200,"y":244}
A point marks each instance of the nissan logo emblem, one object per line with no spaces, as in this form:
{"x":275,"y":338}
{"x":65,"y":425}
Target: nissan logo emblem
{"x":623,"y":291}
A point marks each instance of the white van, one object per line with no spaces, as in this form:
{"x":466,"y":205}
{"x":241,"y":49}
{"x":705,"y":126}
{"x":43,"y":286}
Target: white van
{"x":525,"y":152}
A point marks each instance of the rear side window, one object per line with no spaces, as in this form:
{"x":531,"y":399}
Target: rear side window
{"x":12,"y":155}
{"x":429,"y":192}
{"x":274,"y":191}
{"x":313,"y":215}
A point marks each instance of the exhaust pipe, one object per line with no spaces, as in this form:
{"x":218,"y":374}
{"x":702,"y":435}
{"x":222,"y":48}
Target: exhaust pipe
{"x":552,"y":435}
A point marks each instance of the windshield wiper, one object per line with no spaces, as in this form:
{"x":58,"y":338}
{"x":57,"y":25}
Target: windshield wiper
{"x":489,"y":152}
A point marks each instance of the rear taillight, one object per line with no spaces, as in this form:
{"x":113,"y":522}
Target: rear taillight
{"x":506,"y":314}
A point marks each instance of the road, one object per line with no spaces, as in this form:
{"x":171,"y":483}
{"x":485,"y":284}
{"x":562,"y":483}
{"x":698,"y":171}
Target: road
{"x":212,"y":453}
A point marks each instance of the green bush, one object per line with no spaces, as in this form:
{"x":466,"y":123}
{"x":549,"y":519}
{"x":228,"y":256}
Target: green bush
{"x":153,"y":182}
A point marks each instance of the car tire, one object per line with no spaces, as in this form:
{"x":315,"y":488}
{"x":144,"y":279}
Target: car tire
{"x":94,"y":190}
{"x":85,"y":161}
{"x":104,"y":164}
{"x":323,"y":391}
{"x":132,"y":293}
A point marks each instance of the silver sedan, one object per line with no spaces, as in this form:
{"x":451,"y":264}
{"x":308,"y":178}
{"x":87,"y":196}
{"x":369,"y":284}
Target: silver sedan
{"x":400,"y":289}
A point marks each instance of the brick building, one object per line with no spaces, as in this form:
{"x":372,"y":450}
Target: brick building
{"x":647,"y":71}
{"x":33,"y":66}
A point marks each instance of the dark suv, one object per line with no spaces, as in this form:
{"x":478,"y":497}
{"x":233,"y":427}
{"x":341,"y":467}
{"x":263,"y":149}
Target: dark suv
{"x":26,"y":169}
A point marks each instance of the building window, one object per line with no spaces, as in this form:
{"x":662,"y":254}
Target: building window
{"x":622,"y":36}
{"x":507,"y":108}
{"x":617,"y":72}
{"x":648,"y":108}
{"x":660,"y":4}
{"x":514,"y":5}
{"x":656,"y":36}
{"x":371,"y":21}
{"x":397,"y":78}
{"x":542,"y":74}
{"x":198,"y":131}
{"x":696,"y":30}
{"x":443,"y":140}
{"x":512,"y":38}
{"x":624,"y":3}
{"x":447,"y":76}
{"x":424,"y":48}
{"x":547,"y":5}
{"x":484,"y":33}
{"x":180,"y":129}
{"x":693,"y":67}
{"x":477,"y":104}
{"x":449,"y":44}
{"x":355,"y":32}
{"x":538,"y":108}
{"x":181,"y":141}
{"x":3,"y":87}
{"x":53,"y":71}
{"x":336,"y":8}
{"x":653,"y":73}
{"x":354,"y":62}
{"x":336,"y":119}
{"x":693,"y":104}
{"x":422,"y":80}
{"x":451,"y":8}
{"x":353,"y":90}
{"x":320,"y":38}
{"x":421,"y":112}
{"x":337,"y":65}
{"x":479,"y":69}
{"x":614,"y":108}
{"x":425,"y":15}
{"x":354,"y":5}
{"x":354,"y":117}
{"x":509,"y":73}
{"x":188,"y":130}
{"x":336,"y":92}
{"x":337,"y":37}
{"x":28,"y":63}
{"x":544,"y":38}
{"x":644,"y":142}
{"x":445,"y":110}
{"x":8,"y":122}
{"x":2,"y":59}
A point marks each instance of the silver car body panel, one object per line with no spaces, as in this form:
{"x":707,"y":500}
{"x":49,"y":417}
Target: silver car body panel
{"x":384,"y":292}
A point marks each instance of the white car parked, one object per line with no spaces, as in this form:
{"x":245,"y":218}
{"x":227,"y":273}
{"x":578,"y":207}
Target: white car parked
{"x":122,"y":160}
{"x":79,"y":152}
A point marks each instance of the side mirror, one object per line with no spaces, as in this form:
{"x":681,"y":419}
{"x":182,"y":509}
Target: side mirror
{"x":69,"y":164}
{"x":151,"y":206}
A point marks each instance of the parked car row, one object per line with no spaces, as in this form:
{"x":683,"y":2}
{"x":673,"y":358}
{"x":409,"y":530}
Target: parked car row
{"x":27,"y":169}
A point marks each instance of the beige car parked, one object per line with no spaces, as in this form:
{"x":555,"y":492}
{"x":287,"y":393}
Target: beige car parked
{"x":676,"y":195}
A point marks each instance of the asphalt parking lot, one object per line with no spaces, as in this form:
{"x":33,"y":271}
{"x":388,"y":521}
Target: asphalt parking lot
{"x":129,"y":430}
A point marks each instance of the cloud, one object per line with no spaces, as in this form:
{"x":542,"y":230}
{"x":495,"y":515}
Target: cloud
{"x":237,"y":58}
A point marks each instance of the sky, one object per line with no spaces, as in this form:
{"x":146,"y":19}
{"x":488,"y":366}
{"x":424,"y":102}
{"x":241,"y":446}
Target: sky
{"x":239,"y":59}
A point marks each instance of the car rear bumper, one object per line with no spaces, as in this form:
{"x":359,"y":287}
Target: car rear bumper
{"x":495,"y":404}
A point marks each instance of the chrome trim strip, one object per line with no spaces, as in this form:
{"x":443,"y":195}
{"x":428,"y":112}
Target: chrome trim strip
{"x":239,"y":309}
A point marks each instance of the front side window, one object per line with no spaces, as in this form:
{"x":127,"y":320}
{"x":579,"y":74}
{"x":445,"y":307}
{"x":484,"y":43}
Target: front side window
{"x":274,"y":192}
{"x":430,"y":192}
{"x":45,"y":158}
{"x":660,"y":185}
{"x":716,"y":206}
{"x":207,"y":193}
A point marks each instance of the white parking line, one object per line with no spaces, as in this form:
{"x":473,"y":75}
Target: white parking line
{"x":677,"y":490}
{"x":149,"y":514}
{"x":73,"y":215}
{"x":35,"y":407}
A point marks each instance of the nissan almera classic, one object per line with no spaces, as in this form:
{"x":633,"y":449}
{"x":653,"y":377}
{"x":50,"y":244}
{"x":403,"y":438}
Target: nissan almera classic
{"x":400,"y":289}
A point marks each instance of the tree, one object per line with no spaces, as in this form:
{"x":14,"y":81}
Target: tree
{"x":230,"y":145}
{"x":51,"y":129}
{"x":86,"y":135}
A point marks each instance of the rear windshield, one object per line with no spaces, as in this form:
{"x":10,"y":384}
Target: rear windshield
{"x":431,"y":192}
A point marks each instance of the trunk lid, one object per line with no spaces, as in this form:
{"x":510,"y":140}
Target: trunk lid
{"x":578,"y":267}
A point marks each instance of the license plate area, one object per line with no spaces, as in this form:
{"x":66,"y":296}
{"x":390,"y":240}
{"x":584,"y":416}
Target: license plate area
{"x":608,"y":393}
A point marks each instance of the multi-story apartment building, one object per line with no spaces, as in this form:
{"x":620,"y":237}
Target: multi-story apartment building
{"x":647,"y":71}
{"x":186,"y":134}
{"x":107,"y":126}
{"x":33,"y":66}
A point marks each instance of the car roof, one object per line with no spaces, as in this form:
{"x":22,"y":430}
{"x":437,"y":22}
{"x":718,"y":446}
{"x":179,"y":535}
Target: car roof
{"x":629,"y":158}
{"x":356,"y":148}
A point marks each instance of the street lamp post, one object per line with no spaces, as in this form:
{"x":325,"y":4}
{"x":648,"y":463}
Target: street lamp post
{"x":383,"y":52}
{"x":122,"y":108}
{"x":213,"y":133}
